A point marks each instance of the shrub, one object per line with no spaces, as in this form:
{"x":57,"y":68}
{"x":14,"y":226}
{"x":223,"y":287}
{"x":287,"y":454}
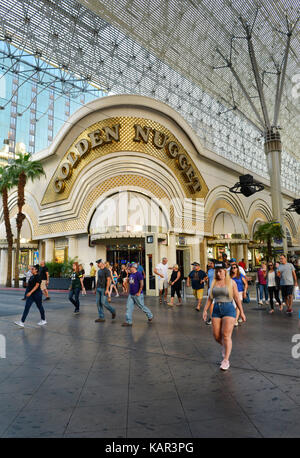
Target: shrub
{"x":61,"y":269}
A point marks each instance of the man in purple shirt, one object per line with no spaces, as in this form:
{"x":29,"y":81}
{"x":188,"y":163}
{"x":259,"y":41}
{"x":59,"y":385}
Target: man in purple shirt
{"x":136,"y":283}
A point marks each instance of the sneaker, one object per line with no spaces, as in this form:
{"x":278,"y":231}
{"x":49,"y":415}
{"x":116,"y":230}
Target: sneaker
{"x":225,"y":365}
{"x":42,"y":322}
{"x":236,"y":324}
{"x":126,"y":324}
{"x":113,"y":315}
{"x":23,"y":298}
{"x":208,"y":322}
{"x":289,"y":312}
{"x":260,"y":303}
{"x":47,"y":299}
{"x":271,"y":311}
{"x":150,"y":319}
{"x":240,"y":320}
{"x":117,"y":295}
{"x":170,"y":305}
{"x":20,"y":323}
{"x":100,"y":320}
{"x":76,"y":311}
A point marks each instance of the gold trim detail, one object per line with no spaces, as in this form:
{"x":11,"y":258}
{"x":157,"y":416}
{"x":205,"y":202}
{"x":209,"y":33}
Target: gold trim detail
{"x":125,"y":143}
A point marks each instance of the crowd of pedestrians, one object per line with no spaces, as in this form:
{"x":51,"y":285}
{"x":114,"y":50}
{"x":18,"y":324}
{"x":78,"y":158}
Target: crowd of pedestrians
{"x":226,"y":282}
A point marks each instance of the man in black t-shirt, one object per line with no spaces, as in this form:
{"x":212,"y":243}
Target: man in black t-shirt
{"x":102,"y":290}
{"x":44,"y":276}
{"x":198,"y":277}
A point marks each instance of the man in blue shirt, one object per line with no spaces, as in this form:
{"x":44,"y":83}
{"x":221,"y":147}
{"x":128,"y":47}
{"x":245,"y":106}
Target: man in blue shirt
{"x":198,"y":278}
{"x":136,"y":284}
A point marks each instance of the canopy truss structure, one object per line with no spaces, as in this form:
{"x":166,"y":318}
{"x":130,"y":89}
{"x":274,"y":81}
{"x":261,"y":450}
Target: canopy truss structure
{"x":173,"y":51}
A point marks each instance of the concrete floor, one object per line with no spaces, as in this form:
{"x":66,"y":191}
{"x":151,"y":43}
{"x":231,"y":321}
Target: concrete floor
{"x":78,"y":378}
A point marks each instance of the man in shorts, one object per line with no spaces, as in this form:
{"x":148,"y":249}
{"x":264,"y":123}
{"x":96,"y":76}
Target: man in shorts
{"x":44,"y":276}
{"x":198,"y":277}
{"x":288,"y":279}
{"x":162,"y":271}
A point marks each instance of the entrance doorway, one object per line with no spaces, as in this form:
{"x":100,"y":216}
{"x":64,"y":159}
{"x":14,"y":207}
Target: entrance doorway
{"x":124,"y":252}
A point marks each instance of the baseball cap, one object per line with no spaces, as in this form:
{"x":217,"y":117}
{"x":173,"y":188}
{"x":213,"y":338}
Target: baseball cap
{"x":232,"y":260}
{"x":220,"y":265}
{"x":99,"y":260}
{"x":134,"y":264}
{"x":195,"y":264}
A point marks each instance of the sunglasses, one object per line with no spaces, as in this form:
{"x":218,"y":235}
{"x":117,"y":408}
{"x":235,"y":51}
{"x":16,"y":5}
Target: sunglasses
{"x":234,"y":267}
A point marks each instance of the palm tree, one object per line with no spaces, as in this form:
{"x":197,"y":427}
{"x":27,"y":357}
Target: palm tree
{"x":267,"y":232}
{"x":7,"y":181}
{"x":23,"y":169}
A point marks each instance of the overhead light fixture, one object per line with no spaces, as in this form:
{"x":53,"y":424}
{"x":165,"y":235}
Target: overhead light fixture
{"x":247,"y":186}
{"x":295,"y":206}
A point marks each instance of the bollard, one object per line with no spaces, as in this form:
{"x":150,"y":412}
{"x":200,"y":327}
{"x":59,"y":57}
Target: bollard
{"x":183,"y":287}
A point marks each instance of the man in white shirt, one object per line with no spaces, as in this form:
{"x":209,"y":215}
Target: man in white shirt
{"x":162,"y":271}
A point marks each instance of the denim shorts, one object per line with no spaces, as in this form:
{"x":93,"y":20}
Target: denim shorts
{"x":222,"y":309}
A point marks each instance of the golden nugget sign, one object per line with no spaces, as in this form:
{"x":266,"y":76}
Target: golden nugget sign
{"x":141,"y":134}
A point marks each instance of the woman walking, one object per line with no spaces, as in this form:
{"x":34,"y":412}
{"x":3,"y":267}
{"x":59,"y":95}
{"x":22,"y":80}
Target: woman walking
{"x":273,"y":282}
{"x":114,"y":283}
{"x":34,"y":294}
{"x":262,"y":282}
{"x":75,"y":287}
{"x":242,"y":287}
{"x":123,"y":277}
{"x":175,"y":282}
{"x":223,"y":291}
{"x":82,"y":272}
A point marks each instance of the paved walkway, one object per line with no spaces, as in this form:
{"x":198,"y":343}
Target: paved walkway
{"x":78,"y":378}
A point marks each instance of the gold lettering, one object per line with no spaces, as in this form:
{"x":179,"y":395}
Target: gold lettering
{"x":83,"y":146}
{"x":196,"y":186}
{"x":65,"y":171}
{"x":112,"y":133}
{"x":159,"y":139}
{"x":59,"y":185}
{"x":182,"y":161}
{"x":189,"y":174}
{"x":141,"y":133}
{"x":73,"y":158}
{"x":96,"y":140}
{"x":172,"y":149}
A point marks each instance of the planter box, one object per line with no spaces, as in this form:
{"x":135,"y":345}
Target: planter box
{"x":59,"y":283}
{"x":64,"y":283}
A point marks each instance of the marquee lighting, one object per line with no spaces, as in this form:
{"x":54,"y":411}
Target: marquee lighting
{"x":247,"y":186}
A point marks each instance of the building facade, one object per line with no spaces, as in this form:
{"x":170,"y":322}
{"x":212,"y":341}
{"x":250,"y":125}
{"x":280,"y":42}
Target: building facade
{"x":128,"y":180}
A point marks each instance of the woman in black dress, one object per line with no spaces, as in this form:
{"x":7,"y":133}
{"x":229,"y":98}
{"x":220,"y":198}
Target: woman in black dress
{"x":175,"y":282}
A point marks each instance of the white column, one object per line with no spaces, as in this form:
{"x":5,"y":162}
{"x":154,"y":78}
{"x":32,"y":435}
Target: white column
{"x":3,"y":267}
{"x":240,"y":252}
{"x":172,"y":250}
{"x":195,"y":250}
{"x":72,"y":247}
{"x":49,"y":250}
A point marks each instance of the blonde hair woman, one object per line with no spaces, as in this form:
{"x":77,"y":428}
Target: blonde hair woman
{"x":222,"y":291}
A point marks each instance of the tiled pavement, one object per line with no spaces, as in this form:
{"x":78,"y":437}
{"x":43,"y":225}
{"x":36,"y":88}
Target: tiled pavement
{"x":78,"y":378}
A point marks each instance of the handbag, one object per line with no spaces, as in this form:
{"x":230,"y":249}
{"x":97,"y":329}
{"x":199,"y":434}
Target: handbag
{"x":246,"y":300}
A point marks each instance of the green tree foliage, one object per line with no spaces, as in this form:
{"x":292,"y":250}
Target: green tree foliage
{"x":266,"y":233}
{"x":23,"y":169}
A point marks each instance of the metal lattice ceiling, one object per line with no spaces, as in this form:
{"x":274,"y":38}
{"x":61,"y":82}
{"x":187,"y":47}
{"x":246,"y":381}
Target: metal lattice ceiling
{"x":168,"y":50}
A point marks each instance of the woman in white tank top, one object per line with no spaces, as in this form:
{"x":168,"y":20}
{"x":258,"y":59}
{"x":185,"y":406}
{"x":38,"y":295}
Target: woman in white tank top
{"x":223,"y":290}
